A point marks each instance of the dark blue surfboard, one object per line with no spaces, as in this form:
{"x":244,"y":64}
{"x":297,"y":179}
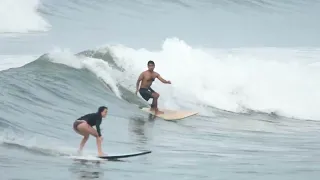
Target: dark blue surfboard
{"x":124,"y":155}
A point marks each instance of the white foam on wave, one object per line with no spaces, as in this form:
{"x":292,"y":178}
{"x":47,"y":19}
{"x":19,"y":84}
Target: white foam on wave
{"x":97,"y":66}
{"x":284,"y":81}
{"x":21,"y":16}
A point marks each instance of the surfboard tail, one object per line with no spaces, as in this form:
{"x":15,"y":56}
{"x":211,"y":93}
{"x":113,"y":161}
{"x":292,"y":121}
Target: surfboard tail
{"x":124,"y":155}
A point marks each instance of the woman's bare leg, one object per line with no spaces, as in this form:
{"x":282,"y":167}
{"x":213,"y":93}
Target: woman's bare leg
{"x":94,"y":133}
{"x":82,"y":143}
{"x":85,"y":130}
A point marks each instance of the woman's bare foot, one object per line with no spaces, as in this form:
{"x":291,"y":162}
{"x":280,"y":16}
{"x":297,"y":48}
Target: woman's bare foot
{"x":101,"y":154}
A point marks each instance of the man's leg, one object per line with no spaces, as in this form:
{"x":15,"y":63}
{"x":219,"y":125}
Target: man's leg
{"x":154,"y":95}
{"x":146,"y":94}
{"x":154,"y":104}
{"x":150,"y":93}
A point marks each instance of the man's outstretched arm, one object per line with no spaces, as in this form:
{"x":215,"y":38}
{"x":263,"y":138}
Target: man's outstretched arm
{"x":138,"y":82}
{"x":163,"y":80}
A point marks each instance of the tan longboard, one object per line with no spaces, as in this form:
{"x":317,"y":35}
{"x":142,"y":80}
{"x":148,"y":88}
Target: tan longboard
{"x":167,"y":114}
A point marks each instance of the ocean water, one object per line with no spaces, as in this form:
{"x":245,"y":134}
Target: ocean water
{"x":250,"y":68}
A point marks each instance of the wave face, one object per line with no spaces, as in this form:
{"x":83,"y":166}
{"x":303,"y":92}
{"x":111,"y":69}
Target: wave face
{"x":266,"y":80}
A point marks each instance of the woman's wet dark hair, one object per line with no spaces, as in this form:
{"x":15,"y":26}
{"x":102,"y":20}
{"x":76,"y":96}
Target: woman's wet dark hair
{"x":102,"y":108}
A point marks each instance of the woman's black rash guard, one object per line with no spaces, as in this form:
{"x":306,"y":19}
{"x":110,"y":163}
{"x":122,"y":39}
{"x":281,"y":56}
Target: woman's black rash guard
{"x":93,"y":119}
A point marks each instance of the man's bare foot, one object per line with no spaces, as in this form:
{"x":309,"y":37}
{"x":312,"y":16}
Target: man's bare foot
{"x":152,"y":109}
{"x":156,"y":110}
{"x":159,"y":112}
{"x":79,"y":152}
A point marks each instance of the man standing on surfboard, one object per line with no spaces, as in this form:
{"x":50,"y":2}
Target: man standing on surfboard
{"x":147,"y":77}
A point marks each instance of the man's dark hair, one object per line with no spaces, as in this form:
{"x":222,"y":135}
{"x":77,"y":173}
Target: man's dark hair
{"x":150,"y":62}
{"x":102,"y":108}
